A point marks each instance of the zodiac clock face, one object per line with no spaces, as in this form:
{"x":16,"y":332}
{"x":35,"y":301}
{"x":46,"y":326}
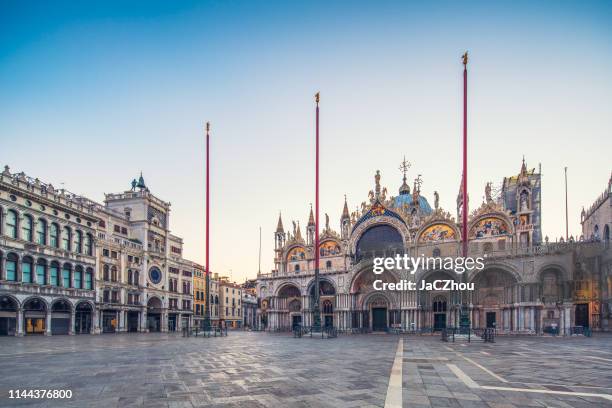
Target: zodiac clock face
{"x":155,"y":275}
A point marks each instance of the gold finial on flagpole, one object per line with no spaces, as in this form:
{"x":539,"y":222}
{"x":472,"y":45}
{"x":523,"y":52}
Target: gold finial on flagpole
{"x":465,"y":58}
{"x":317,"y":97}
{"x":207,"y":127}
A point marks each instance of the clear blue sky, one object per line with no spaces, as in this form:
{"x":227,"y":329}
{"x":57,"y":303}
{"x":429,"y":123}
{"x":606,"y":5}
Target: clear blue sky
{"x":91,"y":94}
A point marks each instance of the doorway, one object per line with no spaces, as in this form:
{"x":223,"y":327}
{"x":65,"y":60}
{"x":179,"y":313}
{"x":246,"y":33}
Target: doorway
{"x":491,"y":320}
{"x":439,"y":321}
{"x":153,"y":322}
{"x":109,"y":322}
{"x":296,"y":321}
{"x":329,"y":321}
{"x":132,"y":321}
{"x":582,"y":315}
{"x":82,"y":319}
{"x":379,"y":319}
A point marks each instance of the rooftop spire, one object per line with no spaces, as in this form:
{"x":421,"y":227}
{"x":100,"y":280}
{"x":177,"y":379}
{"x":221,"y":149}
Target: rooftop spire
{"x":279,"y":226}
{"x":345,"y":211}
{"x":311,"y":220}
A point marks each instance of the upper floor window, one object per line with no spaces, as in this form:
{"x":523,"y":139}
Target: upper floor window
{"x":66,"y":235}
{"x":54,"y":235}
{"x":26,"y":228}
{"x":11,"y":223}
{"x":78,"y":242}
{"x":41,"y":232}
{"x":88,"y":245}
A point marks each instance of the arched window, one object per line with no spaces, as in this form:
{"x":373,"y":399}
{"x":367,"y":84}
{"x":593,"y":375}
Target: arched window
{"x":436,"y":253}
{"x":328,"y":308}
{"x":78,"y":242}
{"x":88,"y":245}
{"x":11,"y":267}
{"x":129,"y":276}
{"x":296,"y":268}
{"x":136,"y":278}
{"x":328,"y":264}
{"x":439,"y":305}
{"x":41,"y":271}
{"x":78,"y":277}
{"x":114,"y":273}
{"x":41,"y":232}
{"x":66,"y":237}
{"x":26,"y":228}
{"x":11,"y":223}
{"x":379,"y":240}
{"x":26,"y":269}
{"x":66,"y":275}
{"x":607,"y":233}
{"x":54,"y":235}
{"x":54,"y":274}
{"x":106,"y":276}
{"x":89,"y":279}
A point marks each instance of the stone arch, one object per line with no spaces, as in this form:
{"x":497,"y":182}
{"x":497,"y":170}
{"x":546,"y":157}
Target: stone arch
{"x":154,"y":302}
{"x":9,"y":299}
{"x":329,"y":290}
{"x":61,"y":305}
{"x":491,"y":225}
{"x":556,"y":266}
{"x":84,"y":304}
{"x":32,"y":301}
{"x":364,"y":279}
{"x":495,"y":281}
{"x":445,"y":232}
{"x":288,"y":289}
{"x":362,"y":228}
{"x":294,"y":250}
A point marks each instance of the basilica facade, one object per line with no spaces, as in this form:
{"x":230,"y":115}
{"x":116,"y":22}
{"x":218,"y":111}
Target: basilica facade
{"x":528,"y":284}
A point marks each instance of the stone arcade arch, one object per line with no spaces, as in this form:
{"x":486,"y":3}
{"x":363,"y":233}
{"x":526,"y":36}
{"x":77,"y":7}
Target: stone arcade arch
{"x":372,"y":309}
{"x":61,"y":311}
{"x":83,"y":318}
{"x":154,"y":314}
{"x":8,"y":315}
{"x":35,"y":316}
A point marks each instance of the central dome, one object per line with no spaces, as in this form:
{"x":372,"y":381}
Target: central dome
{"x":406,"y":199}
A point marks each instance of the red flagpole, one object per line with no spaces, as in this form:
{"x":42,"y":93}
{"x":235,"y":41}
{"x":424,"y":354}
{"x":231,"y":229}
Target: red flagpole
{"x":464,"y":229}
{"x":207,"y":193}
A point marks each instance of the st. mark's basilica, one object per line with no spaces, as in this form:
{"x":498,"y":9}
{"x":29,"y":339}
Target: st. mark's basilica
{"x":530,"y":284}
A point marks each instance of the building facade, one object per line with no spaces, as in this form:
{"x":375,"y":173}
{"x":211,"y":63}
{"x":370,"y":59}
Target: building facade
{"x":47,"y":259}
{"x":597,"y":220}
{"x":69,"y":265}
{"x":526,"y":285}
{"x":230,"y":307}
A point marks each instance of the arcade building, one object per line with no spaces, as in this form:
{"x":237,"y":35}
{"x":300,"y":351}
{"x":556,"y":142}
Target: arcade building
{"x":528,"y":285}
{"x":70,"y":265}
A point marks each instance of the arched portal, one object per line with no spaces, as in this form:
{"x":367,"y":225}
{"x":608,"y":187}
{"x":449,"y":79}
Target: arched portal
{"x":154,"y":312}
{"x":327,"y":295}
{"x":8,"y":316}
{"x":440,"y":307}
{"x":495,"y":294}
{"x":289,"y":305}
{"x":34,"y":316}
{"x":83,"y":318}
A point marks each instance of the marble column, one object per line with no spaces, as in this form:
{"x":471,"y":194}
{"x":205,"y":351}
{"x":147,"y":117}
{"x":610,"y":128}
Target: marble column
{"x":48,"y":324}
{"x":20,"y":331}
{"x":72,"y":322}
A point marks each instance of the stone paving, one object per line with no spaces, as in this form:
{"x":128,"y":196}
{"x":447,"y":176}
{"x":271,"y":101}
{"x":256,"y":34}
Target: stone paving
{"x":267,"y":370}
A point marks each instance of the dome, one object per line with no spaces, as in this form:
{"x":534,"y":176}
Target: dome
{"x":406,"y":199}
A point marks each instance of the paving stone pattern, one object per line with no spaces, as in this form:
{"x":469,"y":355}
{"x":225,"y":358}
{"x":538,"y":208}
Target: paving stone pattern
{"x":266,"y":370}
